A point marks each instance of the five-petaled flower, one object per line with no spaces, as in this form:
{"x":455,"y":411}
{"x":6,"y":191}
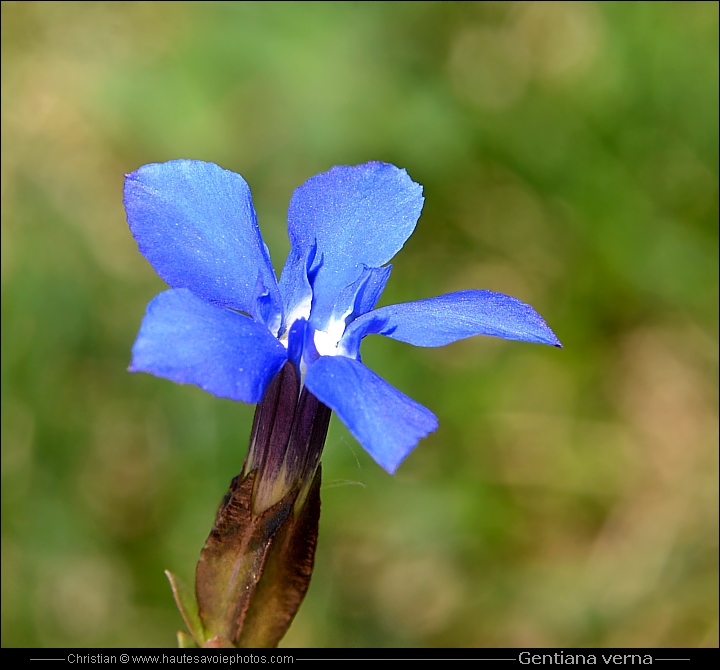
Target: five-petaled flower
{"x":228,"y":326}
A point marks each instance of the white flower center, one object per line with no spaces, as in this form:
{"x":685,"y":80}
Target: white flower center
{"x":326,"y":341}
{"x":301,"y":311}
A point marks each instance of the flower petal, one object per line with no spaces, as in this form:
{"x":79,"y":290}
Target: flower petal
{"x":190,"y":341}
{"x":295,"y":287}
{"x":196,"y":224}
{"x":357,"y":299}
{"x":356,"y":215}
{"x":384,"y":421}
{"x":362,"y":295}
{"x":454,"y":316}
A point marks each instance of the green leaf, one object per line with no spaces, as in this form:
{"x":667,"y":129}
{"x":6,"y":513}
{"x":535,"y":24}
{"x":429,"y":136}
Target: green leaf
{"x":185,"y":641}
{"x":187,"y":604}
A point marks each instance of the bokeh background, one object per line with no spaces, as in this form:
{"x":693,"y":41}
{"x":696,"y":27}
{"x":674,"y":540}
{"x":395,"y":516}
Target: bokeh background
{"x":569,"y":155}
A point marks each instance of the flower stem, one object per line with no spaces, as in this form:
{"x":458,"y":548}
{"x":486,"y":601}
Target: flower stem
{"x":255,"y":567}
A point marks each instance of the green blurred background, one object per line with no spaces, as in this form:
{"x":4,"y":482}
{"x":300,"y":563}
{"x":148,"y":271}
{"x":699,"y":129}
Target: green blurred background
{"x":569,"y":155}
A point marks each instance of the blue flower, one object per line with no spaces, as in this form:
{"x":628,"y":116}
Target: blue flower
{"x":228,"y":326}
